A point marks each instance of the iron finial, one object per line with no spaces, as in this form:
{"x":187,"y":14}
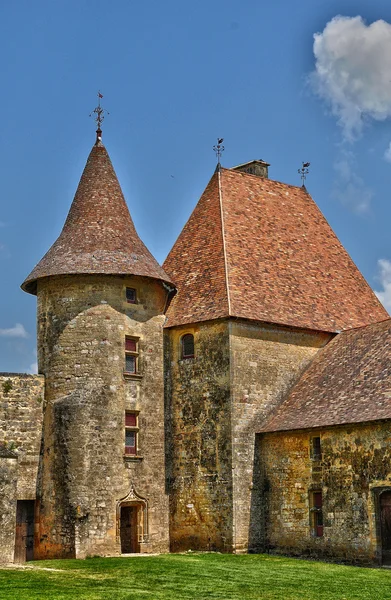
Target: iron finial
{"x":219,"y":149}
{"x":303,"y":172}
{"x":99,"y":112}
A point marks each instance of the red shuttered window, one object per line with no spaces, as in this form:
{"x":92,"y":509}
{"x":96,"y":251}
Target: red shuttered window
{"x":131,"y":355}
{"x":131,"y":433}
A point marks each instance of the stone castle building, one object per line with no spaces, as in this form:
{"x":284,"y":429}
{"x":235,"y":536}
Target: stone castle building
{"x":236,"y":399}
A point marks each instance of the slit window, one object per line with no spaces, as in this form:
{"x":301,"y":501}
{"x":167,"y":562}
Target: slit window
{"x":316,"y":513}
{"x":131,"y":355}
{"x":316,"y":448}
{"x":187,"y":346}
{"x":131,"y":295}
{"x":131,"y":433}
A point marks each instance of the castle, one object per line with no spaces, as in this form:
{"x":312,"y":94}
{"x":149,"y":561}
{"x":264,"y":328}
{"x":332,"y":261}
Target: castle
{"x":237,"y":399}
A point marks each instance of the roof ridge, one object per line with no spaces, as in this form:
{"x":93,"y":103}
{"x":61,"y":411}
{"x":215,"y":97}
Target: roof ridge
{"x":224,"y":243}
{"x":283,"y":183}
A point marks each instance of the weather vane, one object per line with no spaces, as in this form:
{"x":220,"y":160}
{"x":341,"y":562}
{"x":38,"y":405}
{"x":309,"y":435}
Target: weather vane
{"x":219,"y":149}
{"x":303,"y":172}
{"x":99,"y":112}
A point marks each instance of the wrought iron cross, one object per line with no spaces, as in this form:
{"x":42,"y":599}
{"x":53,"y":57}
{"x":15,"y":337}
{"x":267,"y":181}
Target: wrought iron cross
{"x":303,"y":172}
{"x":219,"y":149}
{"x":99,"y":112}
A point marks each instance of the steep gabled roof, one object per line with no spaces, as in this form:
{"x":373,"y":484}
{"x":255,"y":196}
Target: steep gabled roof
{"x":98,"y":235}
{"x":349,"y":381}
{"x":262,"y":250}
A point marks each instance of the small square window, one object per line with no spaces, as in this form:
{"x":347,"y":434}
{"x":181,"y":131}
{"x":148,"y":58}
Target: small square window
{"x":131,"y":295}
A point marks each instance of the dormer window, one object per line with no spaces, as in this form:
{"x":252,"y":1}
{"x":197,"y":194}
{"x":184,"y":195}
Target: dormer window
{"x":131,"y":295}
{"x":187,"y":346}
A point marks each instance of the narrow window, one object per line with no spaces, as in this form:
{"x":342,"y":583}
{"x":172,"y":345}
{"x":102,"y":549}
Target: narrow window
{"x":187,"y":346}
{"x":316,"y":513}
{"x":131,"y":433}
{"x":316,"y":449}
{"x":131,"y":355}
{"x":131,"y":295}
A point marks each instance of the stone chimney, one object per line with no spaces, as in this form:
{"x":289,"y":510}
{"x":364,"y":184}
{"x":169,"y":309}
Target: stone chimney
{"x":254,"y":167}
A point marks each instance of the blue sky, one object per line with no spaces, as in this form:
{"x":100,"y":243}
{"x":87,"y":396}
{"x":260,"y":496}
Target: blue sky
{"x":175,"y":75}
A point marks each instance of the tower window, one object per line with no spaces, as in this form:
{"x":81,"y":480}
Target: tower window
{"x":131,"y":295}
{"x":187,"y":346}
{"x":131,"y":433}
{"x":316,"y":513}
{"x":131,"y":355}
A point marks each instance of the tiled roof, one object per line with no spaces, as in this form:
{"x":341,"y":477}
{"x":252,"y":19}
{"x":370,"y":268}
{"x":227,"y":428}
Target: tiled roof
{"x":262,"y":250}
{"x":99,"y":235}
{"x":349,"y":381}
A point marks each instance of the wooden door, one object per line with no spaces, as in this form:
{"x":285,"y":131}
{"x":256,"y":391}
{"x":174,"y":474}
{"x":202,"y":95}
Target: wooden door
{"x":385,"y":521}
{"x":24,"y":538}
{"x":129,"y":529}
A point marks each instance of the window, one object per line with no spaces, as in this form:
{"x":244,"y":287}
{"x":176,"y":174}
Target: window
{"x":131,"y":433}
{"x":316,"y":449}
{"x":187,"y":346}
{"x":316,"y":513}
{"x":131,"y":295}
{"x":131,"y":355}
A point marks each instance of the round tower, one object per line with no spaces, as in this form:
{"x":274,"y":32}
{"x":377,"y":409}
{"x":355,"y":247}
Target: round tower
{"x":101,"y":303}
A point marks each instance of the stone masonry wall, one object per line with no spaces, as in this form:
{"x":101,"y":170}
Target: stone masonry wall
{"x":8,"y":480}
{"x":82,"y":324}
{"x":354,"y":466}
{"x":21,"y":401}
{"x":198,"y":443}
{"x":265,"y":362}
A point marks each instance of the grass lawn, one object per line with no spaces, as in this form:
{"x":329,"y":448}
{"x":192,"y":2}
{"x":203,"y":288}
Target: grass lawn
{"x":193,"y":576}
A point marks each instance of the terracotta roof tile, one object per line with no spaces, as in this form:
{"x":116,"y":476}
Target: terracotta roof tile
{"x":349,"y":381}
{"x":281,"y":261}
{"x":99,"y":235}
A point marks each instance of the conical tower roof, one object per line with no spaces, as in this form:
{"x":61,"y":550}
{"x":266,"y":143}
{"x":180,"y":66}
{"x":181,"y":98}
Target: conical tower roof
{"x":261,"y":250}
{"x":98,"y":236}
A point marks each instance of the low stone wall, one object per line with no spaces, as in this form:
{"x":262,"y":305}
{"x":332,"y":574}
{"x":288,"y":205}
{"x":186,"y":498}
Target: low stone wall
{"x":21,"y":400}
{"x":8,"y":478}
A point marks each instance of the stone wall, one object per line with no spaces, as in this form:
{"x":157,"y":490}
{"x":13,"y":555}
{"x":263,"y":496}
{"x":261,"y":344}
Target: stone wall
{"x":198,"y":444}
{"x":8,"y":479}
{"x":21,"y":401}
{"x":266,"y":361}
{"x":82,"y":324}
{"x":355,"y":465}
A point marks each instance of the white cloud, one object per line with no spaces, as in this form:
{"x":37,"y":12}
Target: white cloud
{"x":353,"y":71}
{"x":384,"y":277}
{"x":349,"y":188}
{"x":18,"y":331}
{"x":33,"y":369}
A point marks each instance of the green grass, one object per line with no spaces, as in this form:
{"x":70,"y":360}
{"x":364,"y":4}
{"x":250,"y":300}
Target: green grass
{"x":193,"y":576}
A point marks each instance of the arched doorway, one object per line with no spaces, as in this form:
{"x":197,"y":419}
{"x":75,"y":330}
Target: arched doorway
{"x":385,"y":526}
{"x":132,"y":522}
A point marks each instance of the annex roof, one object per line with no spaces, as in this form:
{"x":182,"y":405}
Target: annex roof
{"x":349,"y":381}
{"x":98,"y":236}
{"x":259,"y":249}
